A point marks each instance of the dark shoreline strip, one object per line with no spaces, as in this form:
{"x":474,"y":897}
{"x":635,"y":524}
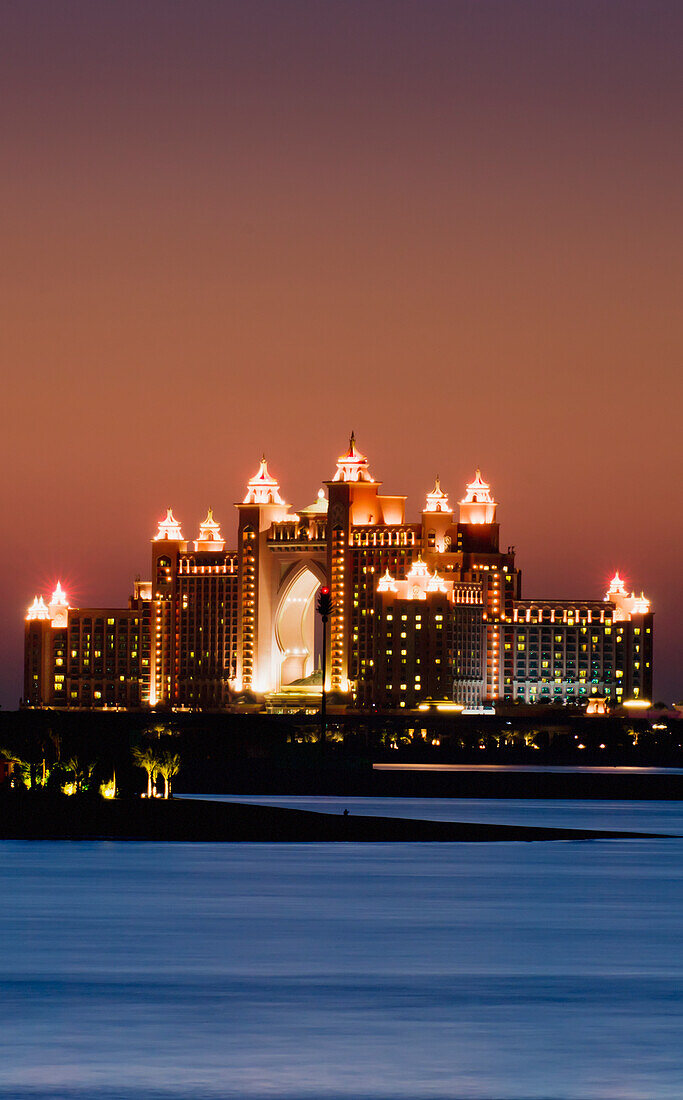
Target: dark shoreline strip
{"x":50,"y":817}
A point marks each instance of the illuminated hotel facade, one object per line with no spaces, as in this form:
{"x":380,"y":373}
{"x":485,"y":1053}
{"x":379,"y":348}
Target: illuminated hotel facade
{"x":422,"y":611}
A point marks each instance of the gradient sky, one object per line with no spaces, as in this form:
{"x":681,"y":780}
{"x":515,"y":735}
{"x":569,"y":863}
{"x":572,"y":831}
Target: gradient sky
{"x":229,"y":228}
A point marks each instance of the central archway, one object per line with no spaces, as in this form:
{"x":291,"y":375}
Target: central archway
{"x":295,"y":625}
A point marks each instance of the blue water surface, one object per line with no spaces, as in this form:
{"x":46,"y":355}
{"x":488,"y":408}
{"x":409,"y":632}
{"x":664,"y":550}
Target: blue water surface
{"x":505,"y":970}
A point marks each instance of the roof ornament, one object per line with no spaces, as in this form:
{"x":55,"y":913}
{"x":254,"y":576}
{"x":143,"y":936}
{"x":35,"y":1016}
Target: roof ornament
{"x":319,"y":506}
{"x":616,"y":587}
{"x":625,"y":605}
{"x":436,"y":583}
{"x":169,"y":529}
{"x":59,"y":607}
{"x":478,"y":505}
{"x":352,"y":466}
{"x":478,"y":491}
{"x":387,"y":583}
{"x":263,"y":487}
{"x":209,"y":534}
{"x":437,"y":500}
{"x":37,"y":610}
{"x":419,"y":568}
{"x":59,"y":596}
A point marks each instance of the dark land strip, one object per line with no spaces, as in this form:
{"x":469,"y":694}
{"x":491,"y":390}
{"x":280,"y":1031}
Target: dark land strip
{"x":41,"y":816}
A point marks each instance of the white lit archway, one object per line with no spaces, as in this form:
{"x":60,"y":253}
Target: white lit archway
{"x":294,"y":623}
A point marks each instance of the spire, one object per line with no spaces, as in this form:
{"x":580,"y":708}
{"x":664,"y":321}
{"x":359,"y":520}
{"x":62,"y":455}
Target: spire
{"x":263,"y":487}
{"x":478,"y":505}
{"x":37,"y":610}
{"x":437,"y":500}
{"x":59,"y":606}
{"x":625,"y":605}
{"x":436,"y":583}
{"x":169,"y":529}
{"x":419,"y":569}
{"x":478,"y":491}
{"x":387,"y":583}
{"x":352,"y":466}
{"x":59,"y":596}
{"x":209,"y":534}
{"x":616,"y":587}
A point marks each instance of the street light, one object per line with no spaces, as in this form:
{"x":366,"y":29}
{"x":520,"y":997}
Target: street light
{"x":324,"y":608}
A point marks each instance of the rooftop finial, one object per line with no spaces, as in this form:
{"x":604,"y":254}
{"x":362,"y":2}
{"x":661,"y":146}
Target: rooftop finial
{"x":169,"y":528}
{"x":437,"y":500}
{"x":263,"y":487}
{"x":353,"y":466}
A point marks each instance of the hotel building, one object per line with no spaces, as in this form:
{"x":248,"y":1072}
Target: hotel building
{"x":426,"y":610}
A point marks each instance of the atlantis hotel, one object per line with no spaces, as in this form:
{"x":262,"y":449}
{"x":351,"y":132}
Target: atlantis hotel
{"x":422,"y":612}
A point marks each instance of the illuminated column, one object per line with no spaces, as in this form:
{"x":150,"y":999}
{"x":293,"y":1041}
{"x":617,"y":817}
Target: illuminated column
{"x":37,"y":652}
{"x":258,"y":579}
{"x":338,"y":527}
{"x":166,"y":546}
{"x":248,"y":579}
{"x":353,"y":502}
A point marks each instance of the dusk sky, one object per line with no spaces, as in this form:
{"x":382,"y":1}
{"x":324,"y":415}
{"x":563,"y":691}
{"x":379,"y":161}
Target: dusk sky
{"x":236,"y":228}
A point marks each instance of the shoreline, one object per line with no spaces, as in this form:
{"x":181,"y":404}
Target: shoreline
{"x":41,"y":816}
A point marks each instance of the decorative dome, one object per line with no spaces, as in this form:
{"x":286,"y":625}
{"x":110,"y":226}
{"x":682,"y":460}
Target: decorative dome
{"x":319,"y":506}
{"x":352,"y":466}
{"x":169,"y":529}
{"x":263,"y":488}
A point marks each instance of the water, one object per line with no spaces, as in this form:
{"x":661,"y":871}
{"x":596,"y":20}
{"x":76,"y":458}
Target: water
{"x":508,"y":970}
{"x":641,"y":816}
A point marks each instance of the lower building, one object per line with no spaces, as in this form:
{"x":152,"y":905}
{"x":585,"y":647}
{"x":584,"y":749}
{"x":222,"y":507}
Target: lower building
{"x":570,"y":650}
{"x":429,"y":640}
{"x":87,"y":657}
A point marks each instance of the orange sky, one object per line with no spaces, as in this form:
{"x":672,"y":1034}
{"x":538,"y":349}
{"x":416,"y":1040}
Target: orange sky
{"x":453,"y":227}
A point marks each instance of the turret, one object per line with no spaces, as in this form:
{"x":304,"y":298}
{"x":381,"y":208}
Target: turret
{"x":169,"y":529}
{"x":437,"y":517}
{"x":209,"y":534}
{"x":478,"y":506}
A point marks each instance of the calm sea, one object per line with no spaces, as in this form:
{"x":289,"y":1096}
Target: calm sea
{"x":505,"y":970}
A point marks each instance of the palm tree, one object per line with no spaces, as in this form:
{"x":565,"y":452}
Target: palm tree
{"x":81,"y":770}
{"x":149,"y":759}
{"x":169,"y":765}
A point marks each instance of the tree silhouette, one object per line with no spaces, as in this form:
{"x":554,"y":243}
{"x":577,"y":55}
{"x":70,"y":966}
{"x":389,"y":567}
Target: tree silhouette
{"x":149,"y":759}
{"x":168,"y":766}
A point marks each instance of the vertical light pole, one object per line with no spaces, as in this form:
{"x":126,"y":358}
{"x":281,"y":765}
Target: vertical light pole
{"x":324,"y":609}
